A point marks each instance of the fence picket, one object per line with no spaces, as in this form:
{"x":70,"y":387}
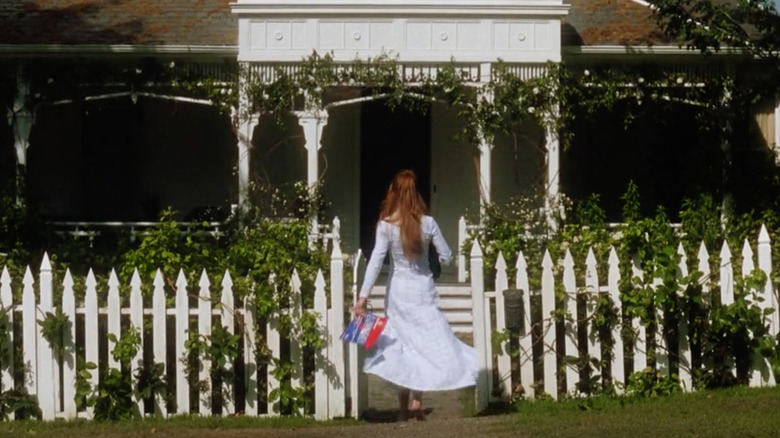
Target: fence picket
{"x":526,"y":338}
{"x":114,"y":323}
{"x":478,"y":324}
{"x":727,"y":291}
{"x":747,"y":259}
{"x":704,"y":267}
{"x":137,"y":323}
{"x":640,"y":343}
{"x":504,"y":362}
{"x":726,"y":276}
{"x":48,"y":374}
{"x":182,"y":327}
{"x":7,"y":306}
{"x":571,"y":326}
{"x":765,"y":264}
{"x":91,"y":331}
{"x":227,"y":312}
{"x":69,"y":348}
{"x":296,"y":377}
{"x":354,"y":376}
{"x":592,"y":289}
{"x":488,"y":320}
{"x":761,"y":373}
{"x":617,"y":366}
{"x":29,"y":335}
{"x":321,"y":386}
{"x":661,"y":350}
{"x":204,"y":331}
{"x":160,"y":338}
{"x":250,"y":365}
{"x":274,"y":348}
{"x":337,"y":393}
{"x":684,"y":361}
{"x":549,"y":358}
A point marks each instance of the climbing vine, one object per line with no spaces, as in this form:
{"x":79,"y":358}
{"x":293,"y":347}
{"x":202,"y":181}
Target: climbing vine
{"x":725,"y":338}
{"x":552,"y":97}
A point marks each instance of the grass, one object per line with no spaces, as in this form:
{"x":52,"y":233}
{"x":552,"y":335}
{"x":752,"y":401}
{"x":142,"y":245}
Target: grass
{"x":733,"y":412}
{"x":81,"y":428}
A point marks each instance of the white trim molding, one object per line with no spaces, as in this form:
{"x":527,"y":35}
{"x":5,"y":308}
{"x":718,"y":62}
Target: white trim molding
{"x":643,"y":51}
{"x":403,"y":8}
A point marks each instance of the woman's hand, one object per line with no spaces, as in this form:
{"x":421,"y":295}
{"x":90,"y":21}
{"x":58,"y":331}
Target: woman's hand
{"x":360,"y":307}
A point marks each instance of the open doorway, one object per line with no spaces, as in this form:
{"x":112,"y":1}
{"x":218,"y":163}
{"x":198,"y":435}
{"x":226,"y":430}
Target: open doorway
{"x":390,"y":140}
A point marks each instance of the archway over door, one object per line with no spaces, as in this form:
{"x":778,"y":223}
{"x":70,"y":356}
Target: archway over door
{"x":390,"y":140}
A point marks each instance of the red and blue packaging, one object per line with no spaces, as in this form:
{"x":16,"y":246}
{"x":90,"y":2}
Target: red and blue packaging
{"x":364,"y":330}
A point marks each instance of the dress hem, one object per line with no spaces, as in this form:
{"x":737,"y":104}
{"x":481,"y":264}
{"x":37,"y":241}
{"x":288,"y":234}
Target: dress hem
{"x":423,"y":388}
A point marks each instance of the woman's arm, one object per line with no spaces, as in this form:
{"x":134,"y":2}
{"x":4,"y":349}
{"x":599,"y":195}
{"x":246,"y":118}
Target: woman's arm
{"x":374,"y":267}
{"x":445,"y":255}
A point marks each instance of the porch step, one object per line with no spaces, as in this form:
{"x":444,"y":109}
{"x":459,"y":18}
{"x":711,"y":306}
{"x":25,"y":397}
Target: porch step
{"x":454,"y":301}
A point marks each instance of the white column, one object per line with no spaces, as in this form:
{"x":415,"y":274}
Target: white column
{"x":21,"y":120}
{"x":485,"y":149}
{"x":553,"y":164}
{"x":313,"y":123}
{"x":246,"y":129}
{"x":485,"y":171}
{"x":245,"y":123}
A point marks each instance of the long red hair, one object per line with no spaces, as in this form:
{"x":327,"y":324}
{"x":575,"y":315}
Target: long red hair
{"x":404,"y":206}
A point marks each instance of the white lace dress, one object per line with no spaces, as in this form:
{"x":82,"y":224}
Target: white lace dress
{"x":417,"y":350}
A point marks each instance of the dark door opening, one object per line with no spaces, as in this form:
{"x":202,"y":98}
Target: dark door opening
{"x":390,"y":140}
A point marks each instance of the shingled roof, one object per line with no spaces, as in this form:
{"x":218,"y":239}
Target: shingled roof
{"x":210,"y":22}
{"x":168,"y":22}
{"x":611,"y":22}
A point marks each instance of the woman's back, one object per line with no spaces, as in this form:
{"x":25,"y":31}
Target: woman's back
{"x":388,"y":239}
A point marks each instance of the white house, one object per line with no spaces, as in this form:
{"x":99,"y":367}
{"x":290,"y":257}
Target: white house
{"x":122,"y":149}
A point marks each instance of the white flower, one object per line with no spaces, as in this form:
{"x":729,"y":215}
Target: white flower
{"x":223,"y":91}
{"x":172,"y":64}
{"x":587,"y":72}
{"x":680,"y":80}
{"x":641,"y":80}
{"x":531,"y":109}
{"x":265,"y":96}
{"x":138,"y":71}
{"x":50,"y":80}
{"x":37,"y":95}
{"x":536,"y":90}
{"x":200,"y":84}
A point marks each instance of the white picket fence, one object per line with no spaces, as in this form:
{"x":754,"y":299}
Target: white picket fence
{"x":43,"y":373}
{"x":760,"y":373}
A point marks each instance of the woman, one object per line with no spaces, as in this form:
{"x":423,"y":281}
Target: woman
{"x":417,"y":350}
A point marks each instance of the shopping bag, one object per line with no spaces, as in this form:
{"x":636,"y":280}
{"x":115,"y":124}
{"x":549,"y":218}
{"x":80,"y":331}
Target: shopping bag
{"x":364,"y":330}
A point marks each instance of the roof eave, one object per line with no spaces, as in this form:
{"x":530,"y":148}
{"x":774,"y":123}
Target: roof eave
{"x":117,"y":49}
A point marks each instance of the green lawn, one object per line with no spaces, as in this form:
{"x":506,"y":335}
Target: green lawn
{"x":738,"y":412}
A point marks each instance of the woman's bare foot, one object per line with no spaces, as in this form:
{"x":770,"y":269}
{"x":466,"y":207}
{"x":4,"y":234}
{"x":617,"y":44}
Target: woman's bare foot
{"x":417,"y":410}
